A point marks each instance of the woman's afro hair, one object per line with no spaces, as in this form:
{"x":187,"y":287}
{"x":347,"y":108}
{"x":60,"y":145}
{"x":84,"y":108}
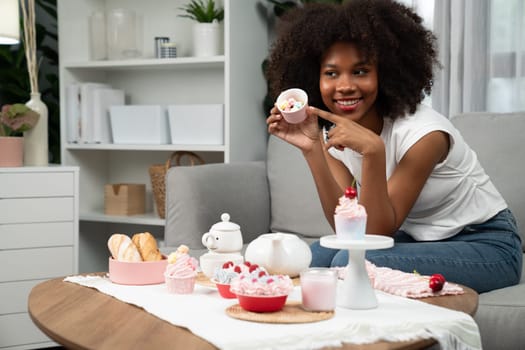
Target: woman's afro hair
{"x":386,"y":32}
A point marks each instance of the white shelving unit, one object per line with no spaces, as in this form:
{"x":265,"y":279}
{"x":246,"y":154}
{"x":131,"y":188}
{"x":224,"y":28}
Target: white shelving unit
{"x":234,"y":79}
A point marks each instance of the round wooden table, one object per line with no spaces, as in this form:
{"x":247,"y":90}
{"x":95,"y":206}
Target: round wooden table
{"x":79,"y":317}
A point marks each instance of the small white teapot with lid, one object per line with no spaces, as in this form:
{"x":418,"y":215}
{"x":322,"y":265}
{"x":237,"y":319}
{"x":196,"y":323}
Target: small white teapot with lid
{"x":279,"y":253}
{"x":224,"y":236}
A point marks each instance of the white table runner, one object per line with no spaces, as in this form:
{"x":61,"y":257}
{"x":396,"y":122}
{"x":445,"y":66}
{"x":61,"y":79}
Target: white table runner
{"x":203,"y":313}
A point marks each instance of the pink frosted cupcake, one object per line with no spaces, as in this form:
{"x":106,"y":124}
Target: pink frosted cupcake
{"x":181,"y":271}
{"x":350,"y":217}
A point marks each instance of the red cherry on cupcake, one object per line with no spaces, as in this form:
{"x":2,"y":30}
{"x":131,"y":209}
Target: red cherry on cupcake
{"x":350,"y":192}
{"x":253,"y":267}
{"x":436,"y":282}
{"x":237,"y":269}
{"x":261,"y":273}
{"x":227,"y":264}
{"x":247,"y":263}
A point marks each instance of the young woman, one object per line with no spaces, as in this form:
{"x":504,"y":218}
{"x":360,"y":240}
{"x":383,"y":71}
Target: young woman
{"x":366,"y":66}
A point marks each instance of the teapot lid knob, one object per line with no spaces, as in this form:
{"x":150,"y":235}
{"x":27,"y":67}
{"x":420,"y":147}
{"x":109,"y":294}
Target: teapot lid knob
{"x":225,"y":224}
{"x":225,"y":217}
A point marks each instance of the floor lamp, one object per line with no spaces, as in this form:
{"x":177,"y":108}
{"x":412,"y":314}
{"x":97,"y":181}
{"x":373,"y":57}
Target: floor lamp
{"x":9,"y":22}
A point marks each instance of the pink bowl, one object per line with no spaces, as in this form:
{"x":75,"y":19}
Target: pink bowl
{"x":262,"y":303}
{"x":137,"y":273}
{"x":224,"y":290}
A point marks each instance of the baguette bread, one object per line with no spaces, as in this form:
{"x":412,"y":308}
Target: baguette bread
{"x":122,"y":248}
{"x":147,"y":246}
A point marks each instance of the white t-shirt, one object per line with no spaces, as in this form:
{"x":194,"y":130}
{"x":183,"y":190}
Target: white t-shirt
{"x":458,"y":191}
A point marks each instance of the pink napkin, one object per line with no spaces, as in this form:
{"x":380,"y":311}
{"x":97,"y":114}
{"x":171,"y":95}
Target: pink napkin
{"x":408,"y":285}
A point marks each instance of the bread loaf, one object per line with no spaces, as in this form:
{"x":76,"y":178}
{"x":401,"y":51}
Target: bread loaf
{"x":147,"y":246}
{"x":122,"y":248}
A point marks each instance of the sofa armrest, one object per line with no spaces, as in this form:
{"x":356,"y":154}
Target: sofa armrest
{"x":196,"y":196}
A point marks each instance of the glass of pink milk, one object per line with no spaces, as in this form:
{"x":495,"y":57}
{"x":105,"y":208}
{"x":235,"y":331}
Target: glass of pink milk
{"x":318,"y":289}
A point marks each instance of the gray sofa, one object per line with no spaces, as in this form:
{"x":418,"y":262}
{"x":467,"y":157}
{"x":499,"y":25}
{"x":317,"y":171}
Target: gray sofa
{"x":279,"y":196}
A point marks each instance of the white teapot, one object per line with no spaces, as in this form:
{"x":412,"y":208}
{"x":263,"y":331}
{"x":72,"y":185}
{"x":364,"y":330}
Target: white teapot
{"x":223,"y":237}
{"x":279,"y":253}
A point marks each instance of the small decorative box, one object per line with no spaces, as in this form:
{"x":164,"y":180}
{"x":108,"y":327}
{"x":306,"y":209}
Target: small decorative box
{"x":139,"y":124}
{"x":124,"y":199}
{"x":196,"y":124}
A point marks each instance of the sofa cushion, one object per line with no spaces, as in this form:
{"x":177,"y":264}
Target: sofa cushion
{"x":207,"y":191}
{"x":295,"y":204}
{"x":501,"y":315}
{"x":497,"y":138}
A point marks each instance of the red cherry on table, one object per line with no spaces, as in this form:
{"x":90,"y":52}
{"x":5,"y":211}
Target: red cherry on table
{"x":350,"y":192}
{"x":436,"y":282}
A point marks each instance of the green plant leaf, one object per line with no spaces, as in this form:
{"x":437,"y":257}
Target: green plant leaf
{"x":202,"y":12}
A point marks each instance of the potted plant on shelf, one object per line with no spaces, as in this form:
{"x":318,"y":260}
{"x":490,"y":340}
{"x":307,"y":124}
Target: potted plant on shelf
{"x":207,"y":31}
{"x":14,"y":120}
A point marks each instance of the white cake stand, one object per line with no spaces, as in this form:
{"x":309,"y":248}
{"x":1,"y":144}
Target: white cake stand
{"x":357,"y":292}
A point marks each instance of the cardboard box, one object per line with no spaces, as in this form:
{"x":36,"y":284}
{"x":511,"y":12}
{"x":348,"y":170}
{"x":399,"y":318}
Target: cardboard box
{"x":197,"y":124}
{"x":124,"y":199}
{"x":139,"y":124}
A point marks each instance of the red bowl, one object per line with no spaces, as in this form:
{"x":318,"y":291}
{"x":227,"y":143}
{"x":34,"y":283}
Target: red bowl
{"x":224,"y":290}
{"x":262,"y":303}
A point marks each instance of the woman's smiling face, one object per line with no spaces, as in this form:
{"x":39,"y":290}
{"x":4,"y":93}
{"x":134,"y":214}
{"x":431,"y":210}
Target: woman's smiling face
{"x":348,"y":83}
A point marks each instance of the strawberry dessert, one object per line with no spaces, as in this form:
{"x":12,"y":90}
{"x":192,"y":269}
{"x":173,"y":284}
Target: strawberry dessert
{"x":350,"y":217}
{"x":181,"y":271}
{"x":223,"y":276}
{"x":258,"y":291}
{"x":259,"y":283}
{"x":229,"y":270}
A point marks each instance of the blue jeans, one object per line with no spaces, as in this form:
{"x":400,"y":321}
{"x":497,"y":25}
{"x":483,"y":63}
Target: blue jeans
{"x":483,"y":256}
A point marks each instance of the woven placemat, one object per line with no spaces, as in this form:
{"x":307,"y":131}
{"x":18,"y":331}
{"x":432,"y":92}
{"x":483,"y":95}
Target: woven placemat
{"x":292,"y":312}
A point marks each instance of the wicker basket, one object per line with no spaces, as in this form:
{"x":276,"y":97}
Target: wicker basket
{"x":157,"y":173}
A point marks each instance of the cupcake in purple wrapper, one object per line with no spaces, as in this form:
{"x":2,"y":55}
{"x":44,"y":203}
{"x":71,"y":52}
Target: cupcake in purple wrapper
{"x":181,"y":271}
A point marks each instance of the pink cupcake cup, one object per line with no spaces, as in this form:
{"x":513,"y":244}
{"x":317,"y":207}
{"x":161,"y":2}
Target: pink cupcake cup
{"x":177,"y":285}
{"x":350,"y":228}
{"x":297,"y":116}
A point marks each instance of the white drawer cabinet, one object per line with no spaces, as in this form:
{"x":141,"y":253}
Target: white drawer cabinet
{"x":38,"y":241}
{"x":31,"y":210}
{"x":32,"y":184}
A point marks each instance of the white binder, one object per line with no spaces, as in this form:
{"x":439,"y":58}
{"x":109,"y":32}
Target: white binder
{"x":87,"y":109}
{"x":103,"y":99}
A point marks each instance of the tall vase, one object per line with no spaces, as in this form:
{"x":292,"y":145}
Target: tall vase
{"x":36,"y":148}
